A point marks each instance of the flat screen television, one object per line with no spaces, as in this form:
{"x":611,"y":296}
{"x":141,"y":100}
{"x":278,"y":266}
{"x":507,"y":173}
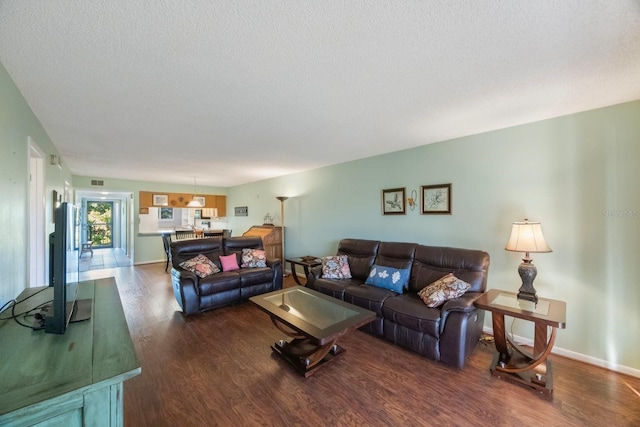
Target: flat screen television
{"x":63,"y":275}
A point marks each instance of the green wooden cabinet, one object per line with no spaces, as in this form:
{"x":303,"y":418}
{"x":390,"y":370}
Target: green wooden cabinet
{"x":73,"y":379}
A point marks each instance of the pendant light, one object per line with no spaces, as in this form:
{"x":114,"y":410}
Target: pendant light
{"x":194,"y":203}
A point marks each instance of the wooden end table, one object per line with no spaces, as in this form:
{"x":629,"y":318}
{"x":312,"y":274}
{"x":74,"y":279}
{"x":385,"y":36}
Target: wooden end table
{"x":512,"y":362}
{"x":306,"y":263}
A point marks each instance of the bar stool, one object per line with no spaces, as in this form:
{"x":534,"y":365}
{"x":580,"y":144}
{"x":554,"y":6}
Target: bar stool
{"x":87,"y":247}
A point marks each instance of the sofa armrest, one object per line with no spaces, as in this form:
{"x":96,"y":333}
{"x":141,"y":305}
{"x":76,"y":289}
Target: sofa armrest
{"x":272,"y":262}
{"x":314,"y":274}
{"x":463,"y":303}
{"x":275,"y":264}
{"x":186,"y":290}
{"x":185,"y":278}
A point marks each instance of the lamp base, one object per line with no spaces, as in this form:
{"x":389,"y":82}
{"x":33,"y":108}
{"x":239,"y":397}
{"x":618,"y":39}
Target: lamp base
{"x":528,"y":296}
{"x":528,"y":273}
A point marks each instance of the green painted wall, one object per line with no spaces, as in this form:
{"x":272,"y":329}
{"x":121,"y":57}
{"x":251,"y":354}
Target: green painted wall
{"x":17,"y":124}
{"x":576,"y":174}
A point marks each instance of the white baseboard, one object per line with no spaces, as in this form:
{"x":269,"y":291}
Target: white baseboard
{"x":150,"y":262}
{"x":577,"y":356}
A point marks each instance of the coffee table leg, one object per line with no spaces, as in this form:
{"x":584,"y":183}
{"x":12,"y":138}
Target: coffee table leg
{"x":302,"y":353}
{"x":306,"y":356}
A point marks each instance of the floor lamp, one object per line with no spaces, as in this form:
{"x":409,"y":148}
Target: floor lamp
{"x":282,"y":199}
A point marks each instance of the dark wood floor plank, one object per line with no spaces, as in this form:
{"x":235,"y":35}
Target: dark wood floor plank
{"x":217,"y":369}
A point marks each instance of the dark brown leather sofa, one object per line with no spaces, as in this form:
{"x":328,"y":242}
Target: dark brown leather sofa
{"x":195,"y":294}
{"x":447,"y":333}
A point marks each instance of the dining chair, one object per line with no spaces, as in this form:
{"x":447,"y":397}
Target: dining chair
{"x":166,"y":241}
{"x":185,"y":234}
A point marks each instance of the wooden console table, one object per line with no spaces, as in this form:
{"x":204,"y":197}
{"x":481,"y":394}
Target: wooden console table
{"x":73,"y":379}
{"x":512,"y":362}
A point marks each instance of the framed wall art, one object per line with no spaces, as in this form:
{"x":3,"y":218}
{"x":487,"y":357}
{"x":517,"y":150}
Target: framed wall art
{"x":160,"y":200}
{"x":393,"y":201}
{"x":165,"y":214}
{"x":436,"y":199}
{"x":241,"y":211}
{"x":201,"y":200}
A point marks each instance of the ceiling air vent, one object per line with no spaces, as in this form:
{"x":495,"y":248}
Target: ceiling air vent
{"x":97,"y":182}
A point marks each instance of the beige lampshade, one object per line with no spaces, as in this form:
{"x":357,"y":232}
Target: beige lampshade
{"x":527,"y":236}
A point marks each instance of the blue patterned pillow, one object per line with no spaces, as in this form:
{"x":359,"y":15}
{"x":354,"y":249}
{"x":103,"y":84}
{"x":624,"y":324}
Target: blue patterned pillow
{"x":394,"y":279}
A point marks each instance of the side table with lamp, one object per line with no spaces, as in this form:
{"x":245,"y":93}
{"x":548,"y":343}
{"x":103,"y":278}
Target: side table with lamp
{"x":512,"y":362}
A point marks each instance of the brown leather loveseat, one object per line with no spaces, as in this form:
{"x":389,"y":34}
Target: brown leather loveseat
{"x":195,"y":294}
{"x":447,"y":333}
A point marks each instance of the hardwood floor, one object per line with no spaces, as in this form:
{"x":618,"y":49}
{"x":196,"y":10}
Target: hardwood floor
{"x":217,"y":369}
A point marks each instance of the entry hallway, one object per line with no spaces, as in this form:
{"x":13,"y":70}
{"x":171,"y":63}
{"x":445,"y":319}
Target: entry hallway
{"x":104,"y":258}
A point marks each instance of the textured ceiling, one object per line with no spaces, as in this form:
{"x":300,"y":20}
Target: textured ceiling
{"x":232,"y":91}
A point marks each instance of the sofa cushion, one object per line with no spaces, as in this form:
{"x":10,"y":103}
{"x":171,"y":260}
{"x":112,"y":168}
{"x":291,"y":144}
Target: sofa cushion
{"x":390,"y":278}
{"x":442,"y":290}
{"x":221,"y":282}
{"x":229,"y":262}
{"x":361,"y":254}
{"x":396,"y":254}
{"x":409,"y":311}
{"x":252,"y":258}
{"x":336,"y":267}
{"x":255,"y":276}
{"x":183,"y":250}
{"x":200,"y":265}
{"x":433,"y":262}
{"x":334,"y":287}
{"x":369,"y":297}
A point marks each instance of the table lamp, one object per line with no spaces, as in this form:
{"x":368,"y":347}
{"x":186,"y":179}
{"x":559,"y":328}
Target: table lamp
{"x":527,"y":237}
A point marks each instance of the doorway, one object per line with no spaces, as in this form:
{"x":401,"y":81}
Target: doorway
{"x":37,"y":234}
{"x":100,"y":223}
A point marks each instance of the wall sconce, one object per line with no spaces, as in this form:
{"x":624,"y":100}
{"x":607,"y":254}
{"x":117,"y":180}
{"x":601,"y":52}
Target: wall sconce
{"x":412,"y":199}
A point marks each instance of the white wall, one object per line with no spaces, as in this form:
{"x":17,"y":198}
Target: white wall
{"x":577,"y":174}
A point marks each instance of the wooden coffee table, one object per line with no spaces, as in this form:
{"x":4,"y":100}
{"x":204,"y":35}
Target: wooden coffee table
{"x":314,"y":321}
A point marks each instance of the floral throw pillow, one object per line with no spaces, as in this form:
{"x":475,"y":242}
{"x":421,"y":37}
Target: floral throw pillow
{"x":253,"y":258}
{"x":336,"y":267}
{"x":201,"y":266}
{"x":442,"y":290}
{"x":394,"y":279}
